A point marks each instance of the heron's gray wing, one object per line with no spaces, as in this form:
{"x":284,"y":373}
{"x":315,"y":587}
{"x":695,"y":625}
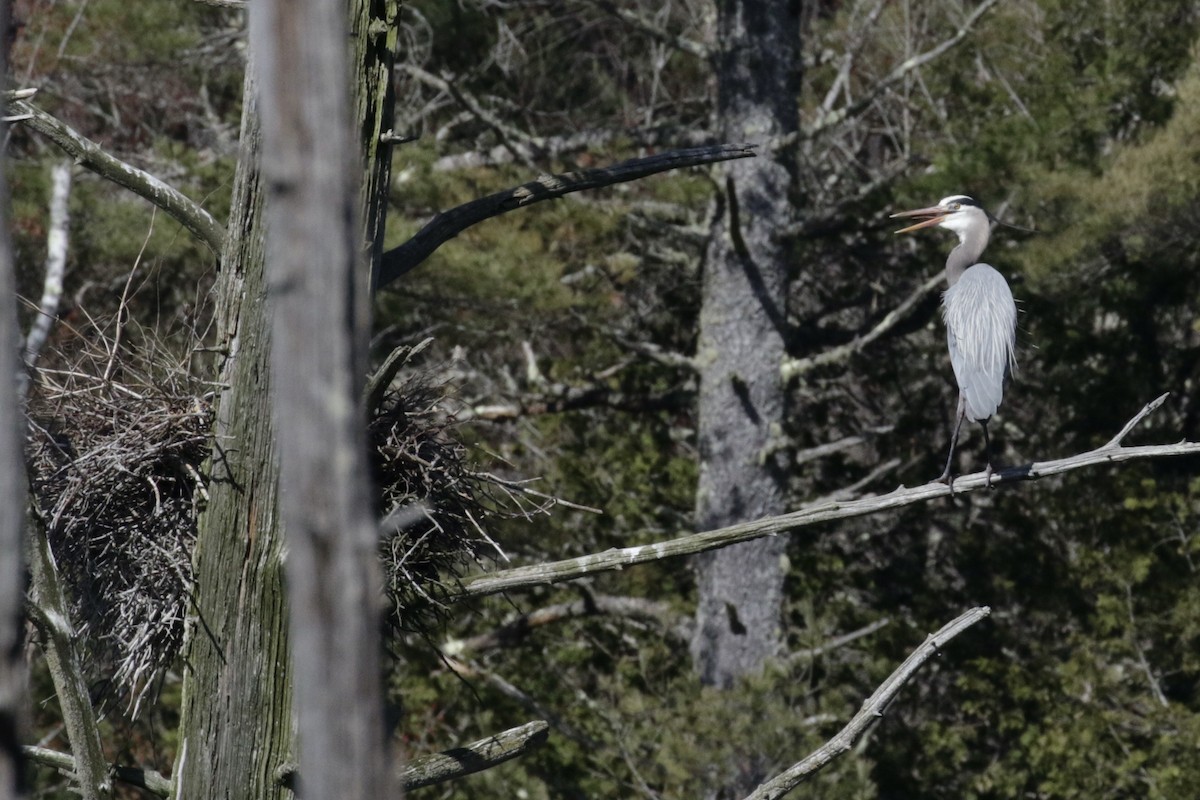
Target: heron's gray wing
{"x":981,"y":329}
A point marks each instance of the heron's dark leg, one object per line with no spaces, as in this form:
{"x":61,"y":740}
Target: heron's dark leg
{"x":962,"y":413}
{"x":987,"y":450}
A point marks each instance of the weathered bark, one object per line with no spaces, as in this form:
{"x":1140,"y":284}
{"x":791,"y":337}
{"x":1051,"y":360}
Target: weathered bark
{"x":237,"y":733}
{"x":741,"y":343}
{"x":12,"y":511}
{"x":320,"y":312}
{"x":236,"y":729}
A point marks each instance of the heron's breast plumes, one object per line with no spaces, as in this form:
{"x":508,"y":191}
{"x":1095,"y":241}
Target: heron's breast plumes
{"x":981,"y":329}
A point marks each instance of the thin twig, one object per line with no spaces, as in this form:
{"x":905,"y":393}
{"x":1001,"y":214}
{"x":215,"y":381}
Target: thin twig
{"x":826,"y":121}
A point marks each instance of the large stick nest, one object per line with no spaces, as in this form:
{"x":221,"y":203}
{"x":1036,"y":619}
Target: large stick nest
{"x":117,"y":451}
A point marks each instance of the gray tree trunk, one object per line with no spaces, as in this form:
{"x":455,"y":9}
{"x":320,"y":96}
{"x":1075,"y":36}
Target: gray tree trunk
{"x":320,"y":311}
{"x":12,"y":511}
{"x":237,"y":732}
{"x":741,"y":343}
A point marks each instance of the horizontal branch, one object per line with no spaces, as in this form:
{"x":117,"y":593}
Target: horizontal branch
{"x":517,"y":629}
{"x":445,"y":226}
{"x":872,"y":709}
{"x":182,"y":209}
{"x":845,"y":443}
{"x":577,"y":398}
{"x":527,"y":577}
{"x":475,"y":757}
{"x":153,"y":782}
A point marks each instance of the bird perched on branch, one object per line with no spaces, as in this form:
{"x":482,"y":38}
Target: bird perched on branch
{"x":980,"y":315}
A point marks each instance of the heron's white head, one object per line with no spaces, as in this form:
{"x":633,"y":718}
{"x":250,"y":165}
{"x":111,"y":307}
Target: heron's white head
{"x":958,"y":213}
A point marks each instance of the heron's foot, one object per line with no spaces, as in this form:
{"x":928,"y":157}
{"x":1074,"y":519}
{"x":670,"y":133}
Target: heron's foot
{"x":947,"y":479}
{"x":987,"y":476}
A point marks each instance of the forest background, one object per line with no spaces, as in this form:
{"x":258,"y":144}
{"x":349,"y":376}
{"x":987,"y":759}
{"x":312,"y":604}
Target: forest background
{"x":560,"y":343}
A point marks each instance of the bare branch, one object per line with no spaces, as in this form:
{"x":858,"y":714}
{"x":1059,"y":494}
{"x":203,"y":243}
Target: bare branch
{"x":822,"y":511}
{"x":448,"y":224}
{"x":837,"y":642}
{"x":379,"y":381}
{"x":576,"y":398}
{"x":49,"y":612}
{"x":475,"y":757}
{"x":56,"y":262}
{"x":826,"y":121}
{"x":1146,"y":411}
{"x":657,"y":354}
{"x":86,"y":152}
{"x":680,"y":43}
{"x":153,"y":782}
{"x":469,"y":670}
{"x":517,"y":629}
{"x":838,"y":445}
{"x":794,"y":368}
{"x":872,"y":709}
{"x":509,"y":136}
{"x":849,"y":492}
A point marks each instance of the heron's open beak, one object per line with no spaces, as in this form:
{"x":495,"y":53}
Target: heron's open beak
{"x":935,"y":215}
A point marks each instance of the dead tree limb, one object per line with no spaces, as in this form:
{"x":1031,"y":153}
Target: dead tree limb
{"x":809,"y":653}
{"x":872,"y":709}
{"x":519,"y":627}
{"x":153,"y":782}
{"x":521,"y":578}
{"x":475,"y":757}
{"x":49,"y":611}
{"x":794,"y":368}
{"x":182,"y":209}
{"x":445,"y":226}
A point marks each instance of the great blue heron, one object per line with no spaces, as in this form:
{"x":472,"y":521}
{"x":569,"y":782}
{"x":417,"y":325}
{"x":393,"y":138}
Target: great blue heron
{"x":980,"y":315}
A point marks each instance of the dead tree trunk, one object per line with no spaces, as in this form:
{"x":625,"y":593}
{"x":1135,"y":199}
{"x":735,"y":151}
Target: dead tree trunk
{"x":12,"y":518}
{"x":320,"y":311}
{"x":237,"y":732}
{"x":741,"y":343}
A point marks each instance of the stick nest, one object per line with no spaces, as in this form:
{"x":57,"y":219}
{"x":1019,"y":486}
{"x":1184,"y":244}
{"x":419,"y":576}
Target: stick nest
{"x":117,"y":451}
{"x":115,"y":457}
{"x":437,"y":509}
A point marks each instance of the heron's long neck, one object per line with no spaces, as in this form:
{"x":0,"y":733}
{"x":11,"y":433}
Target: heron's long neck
{"x":970,"y":248}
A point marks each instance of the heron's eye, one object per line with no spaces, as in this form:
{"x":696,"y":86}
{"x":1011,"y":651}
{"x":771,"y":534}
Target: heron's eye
{"x":955,"y":206}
